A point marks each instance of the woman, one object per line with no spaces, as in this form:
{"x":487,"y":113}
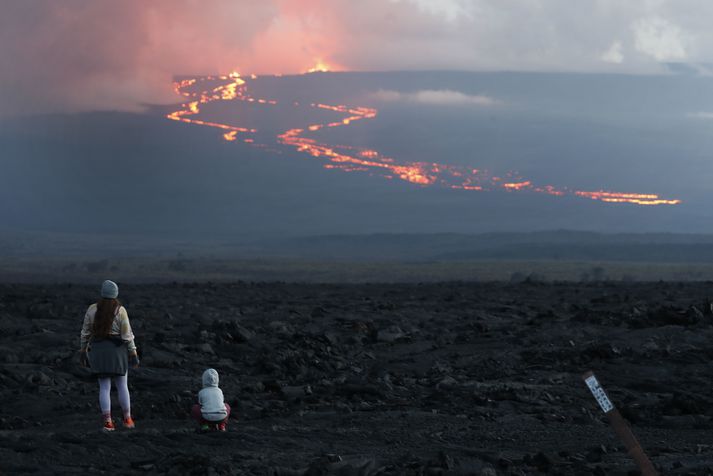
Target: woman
{"x":106,"y":339}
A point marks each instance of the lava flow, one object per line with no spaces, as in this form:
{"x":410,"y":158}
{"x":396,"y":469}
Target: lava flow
{"x":233,"y":87}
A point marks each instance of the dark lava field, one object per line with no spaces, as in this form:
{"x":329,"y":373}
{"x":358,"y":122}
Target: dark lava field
{"x":450,"y":378}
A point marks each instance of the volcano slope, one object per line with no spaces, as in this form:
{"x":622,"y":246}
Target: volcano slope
{"x":451,"y":378}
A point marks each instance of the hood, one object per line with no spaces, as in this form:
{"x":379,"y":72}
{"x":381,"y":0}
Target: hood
{"x":210,"y":378}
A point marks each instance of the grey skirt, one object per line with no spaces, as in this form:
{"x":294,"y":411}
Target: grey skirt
{"x":108,"y":357}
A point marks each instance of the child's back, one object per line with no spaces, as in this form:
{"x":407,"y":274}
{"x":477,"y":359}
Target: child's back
{"x":211,"y":408}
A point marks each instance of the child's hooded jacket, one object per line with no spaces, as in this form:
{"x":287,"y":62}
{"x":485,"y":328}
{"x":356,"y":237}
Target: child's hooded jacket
{"x":211,"y":398}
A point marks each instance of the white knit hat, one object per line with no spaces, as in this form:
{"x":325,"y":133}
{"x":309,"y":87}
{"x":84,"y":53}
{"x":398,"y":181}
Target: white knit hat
{"x":109,"y":289}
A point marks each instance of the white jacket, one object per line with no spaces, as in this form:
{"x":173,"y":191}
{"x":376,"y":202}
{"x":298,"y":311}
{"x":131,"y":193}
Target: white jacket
{"x":120,"y":326}
{"x":211,"y":398}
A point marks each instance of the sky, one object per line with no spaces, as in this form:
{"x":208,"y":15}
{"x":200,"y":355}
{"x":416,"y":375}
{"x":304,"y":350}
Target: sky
{"x":470,"y":118}
{"x":76,"y":55}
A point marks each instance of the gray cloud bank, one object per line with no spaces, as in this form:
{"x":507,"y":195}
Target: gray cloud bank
{"x":76,"y":55}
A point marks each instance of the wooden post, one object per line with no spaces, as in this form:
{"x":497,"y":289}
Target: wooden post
{"x":620,"y":426}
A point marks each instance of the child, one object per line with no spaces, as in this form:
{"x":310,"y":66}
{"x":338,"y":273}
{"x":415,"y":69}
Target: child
{"x":211,"y":412}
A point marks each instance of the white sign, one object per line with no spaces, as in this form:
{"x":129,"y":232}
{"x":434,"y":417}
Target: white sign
{"x":599,"y":394}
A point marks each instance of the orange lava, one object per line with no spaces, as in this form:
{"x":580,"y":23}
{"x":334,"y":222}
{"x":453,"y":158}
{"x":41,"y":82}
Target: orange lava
{"x":233,"y":87}
{"x":517,"y":185}
{"x":638,"y":198}
{"x":320,"y":67}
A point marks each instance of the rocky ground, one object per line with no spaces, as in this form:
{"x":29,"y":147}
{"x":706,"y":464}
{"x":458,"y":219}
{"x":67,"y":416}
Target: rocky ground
{"x":451,"y":378}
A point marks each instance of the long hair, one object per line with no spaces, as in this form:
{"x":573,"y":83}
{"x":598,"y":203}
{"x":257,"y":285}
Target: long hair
{"x":104,"y":317}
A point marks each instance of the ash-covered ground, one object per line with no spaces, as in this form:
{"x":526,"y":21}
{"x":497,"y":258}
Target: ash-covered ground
{"x":452,"y":378}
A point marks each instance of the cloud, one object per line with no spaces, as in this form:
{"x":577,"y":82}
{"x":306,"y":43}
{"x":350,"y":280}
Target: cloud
{"x":703,"y":115}
{"x":78,"y":55}
{"x":450,"y":9}
{"x":440,"y":97}
{"x":660,"y":39}
{"x":103,"y":54}
{"x":613,"y":54}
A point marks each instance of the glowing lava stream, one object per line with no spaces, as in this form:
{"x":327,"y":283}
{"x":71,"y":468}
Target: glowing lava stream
{"x":352,"y":159}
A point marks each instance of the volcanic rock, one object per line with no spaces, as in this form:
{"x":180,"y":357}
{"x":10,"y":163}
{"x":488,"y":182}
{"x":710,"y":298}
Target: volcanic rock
{"x":391,"y":334}
{"x":444,"y":378}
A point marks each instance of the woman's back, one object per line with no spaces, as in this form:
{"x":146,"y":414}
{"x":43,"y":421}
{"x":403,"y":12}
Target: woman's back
{"x":105,"y":339}
{"x":120,"y":327}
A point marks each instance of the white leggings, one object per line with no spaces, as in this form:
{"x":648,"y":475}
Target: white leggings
{"x":122,"y":388}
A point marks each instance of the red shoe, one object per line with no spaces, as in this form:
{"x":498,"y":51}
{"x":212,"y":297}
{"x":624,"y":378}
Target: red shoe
{"x":221,"y":426}
{"x":109,"y":425}
{"x":129,"y":423}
